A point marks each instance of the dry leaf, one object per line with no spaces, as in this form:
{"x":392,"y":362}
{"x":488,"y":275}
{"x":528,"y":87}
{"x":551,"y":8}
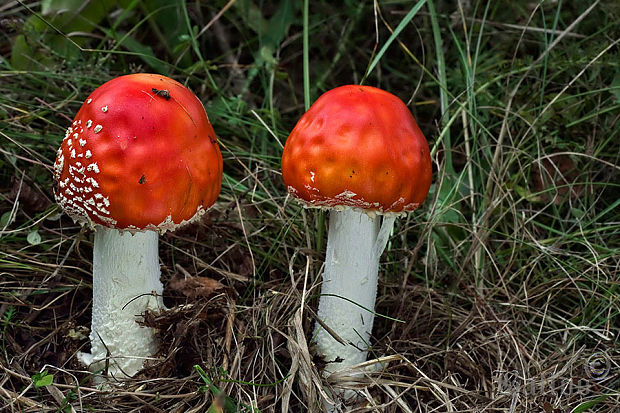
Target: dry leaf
{"x":192,"y":287}
{"x":32,"y":201}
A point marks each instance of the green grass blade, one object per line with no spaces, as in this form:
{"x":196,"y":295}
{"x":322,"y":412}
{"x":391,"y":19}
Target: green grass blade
{"x":443,"y":88}
{"x":414,"y":10}
{"x":306,"y":57}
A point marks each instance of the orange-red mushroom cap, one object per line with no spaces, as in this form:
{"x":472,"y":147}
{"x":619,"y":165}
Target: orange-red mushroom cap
{"x":360,"y":147}
{"x":140,"y":154}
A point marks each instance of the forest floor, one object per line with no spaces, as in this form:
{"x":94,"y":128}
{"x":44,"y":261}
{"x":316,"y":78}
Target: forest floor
{"x":500,"y":291}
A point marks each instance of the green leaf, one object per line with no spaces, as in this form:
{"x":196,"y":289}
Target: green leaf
{"x":280,"y":22}
{"x":33,"y":237}
{"x":21,"y":53}
{"x":6,"y":219}
{"x":54,"y":6}
{"x":8,"y":315}
{"x":216,"y":406}
{"x":577,"y":212}
{"x":615,"y":86}
{"x":166,"y":20}
{"x":45,"y":33}
{"x":42,"y":379}
{"x":145,"y":53}
{"x":271,"y":32}
{"x":589,"y":404}
{"x":252,"y":16}
{"x":266,"y":56}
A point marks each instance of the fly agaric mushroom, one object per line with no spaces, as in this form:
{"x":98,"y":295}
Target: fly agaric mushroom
{"x":140,"y":158}
{"x":358,"y":152}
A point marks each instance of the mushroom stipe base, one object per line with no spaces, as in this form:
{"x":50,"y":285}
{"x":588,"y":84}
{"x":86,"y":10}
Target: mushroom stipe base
{"x":354,"y":246}
{"x":125,"y":284}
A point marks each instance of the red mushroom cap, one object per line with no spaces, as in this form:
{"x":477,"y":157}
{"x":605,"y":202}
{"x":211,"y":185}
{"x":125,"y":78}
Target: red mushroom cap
{"x":358,"y":146}
{"x":140,"y":154}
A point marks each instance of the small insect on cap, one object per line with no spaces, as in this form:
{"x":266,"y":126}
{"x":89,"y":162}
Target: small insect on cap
{"x":140,"y":154}
{"x":360,"y":147}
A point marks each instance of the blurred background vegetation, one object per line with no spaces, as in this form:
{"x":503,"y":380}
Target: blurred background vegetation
{"x":510,"y":265}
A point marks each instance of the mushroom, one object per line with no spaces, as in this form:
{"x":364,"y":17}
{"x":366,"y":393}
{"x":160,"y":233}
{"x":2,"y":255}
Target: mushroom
{"x":140,"y":158}
{"x":358,"y":152}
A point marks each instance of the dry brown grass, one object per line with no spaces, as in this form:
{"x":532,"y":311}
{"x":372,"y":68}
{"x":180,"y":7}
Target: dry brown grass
{"x":448,"y":354}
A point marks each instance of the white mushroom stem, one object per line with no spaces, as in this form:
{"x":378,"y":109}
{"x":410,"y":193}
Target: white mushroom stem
{"x":354,"y":245}
{"x":125,"y":284}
